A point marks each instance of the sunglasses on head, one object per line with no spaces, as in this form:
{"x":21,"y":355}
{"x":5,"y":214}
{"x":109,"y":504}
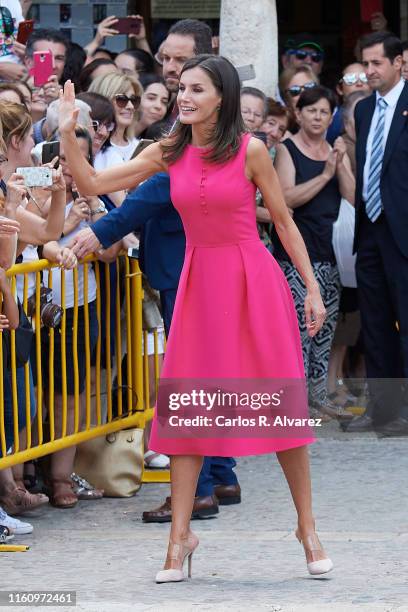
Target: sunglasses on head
{"x":301,"y":55}
{"x":351,"y":78}
{"x":122,"y":100}
{"x":296,"y":90}
{"x":8,"y":21}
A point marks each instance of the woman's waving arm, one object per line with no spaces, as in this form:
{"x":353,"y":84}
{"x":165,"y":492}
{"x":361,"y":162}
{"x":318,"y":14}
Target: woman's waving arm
{"x":116,"y":178}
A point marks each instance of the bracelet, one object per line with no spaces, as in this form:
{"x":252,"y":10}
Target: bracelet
{"x":102,"y":208}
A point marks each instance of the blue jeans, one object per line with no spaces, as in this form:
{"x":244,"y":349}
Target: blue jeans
{"x":215,"y":471}
{"x":8,"y":404}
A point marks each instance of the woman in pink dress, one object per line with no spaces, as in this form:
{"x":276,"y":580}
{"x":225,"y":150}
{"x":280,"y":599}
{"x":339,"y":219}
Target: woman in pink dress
{"x":234,"y":316}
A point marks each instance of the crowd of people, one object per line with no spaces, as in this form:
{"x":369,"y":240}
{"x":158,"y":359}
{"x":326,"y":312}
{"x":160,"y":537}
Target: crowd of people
{"x":310,"y":133}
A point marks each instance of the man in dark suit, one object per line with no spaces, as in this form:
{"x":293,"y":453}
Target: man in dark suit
{"x":381,"y":234}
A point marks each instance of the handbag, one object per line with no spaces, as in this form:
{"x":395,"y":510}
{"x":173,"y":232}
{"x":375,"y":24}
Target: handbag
{"x":342,"y":240}
{"x":113,"y":462}
{"x":24,"y":335}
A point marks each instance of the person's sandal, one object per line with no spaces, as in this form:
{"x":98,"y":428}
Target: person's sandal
{"x":19,"y":501}
{"x":84,"y":490}
{"x":62,"y":493}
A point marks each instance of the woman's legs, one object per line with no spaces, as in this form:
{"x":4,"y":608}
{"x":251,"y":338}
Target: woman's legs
{"x":295,"y":465}
{"x":184,"y":475}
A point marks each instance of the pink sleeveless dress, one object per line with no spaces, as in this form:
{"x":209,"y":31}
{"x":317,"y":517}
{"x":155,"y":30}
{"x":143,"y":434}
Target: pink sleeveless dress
{"x":234,"y":315}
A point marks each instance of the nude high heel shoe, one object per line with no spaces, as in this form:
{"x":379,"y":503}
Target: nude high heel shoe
{"x":179,"y":552}
{"x":312,"y":544}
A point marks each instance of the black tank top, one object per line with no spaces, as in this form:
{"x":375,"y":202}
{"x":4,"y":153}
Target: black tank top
{"x":315,"y":218}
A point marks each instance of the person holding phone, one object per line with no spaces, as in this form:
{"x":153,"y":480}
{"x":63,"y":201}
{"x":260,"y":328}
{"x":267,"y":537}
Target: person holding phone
{"x":10,"y":16}
{"x":48,"y":40}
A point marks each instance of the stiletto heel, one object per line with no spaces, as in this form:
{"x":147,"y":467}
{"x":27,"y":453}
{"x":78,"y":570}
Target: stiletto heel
{"x":190,"y":564}
{"x":179,"y":552}
{"x":313,"y":545}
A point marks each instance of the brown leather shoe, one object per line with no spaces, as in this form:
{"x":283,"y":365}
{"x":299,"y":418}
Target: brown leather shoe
{"x":228,"y":494}
{"x":204,"y":507}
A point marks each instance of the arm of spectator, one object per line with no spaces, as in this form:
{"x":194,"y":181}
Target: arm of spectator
{"x":64,"y":256}
{"x":11,"y":71}
{"x":34,"y":229}
{"x":90,"y":182}
{"x":262,"y":172}
{"x":25,"y":7}
{"x":104,"y":29}
{"x":80,"y":211}
{"x":263,"y":215}
{"x":347,"y":183}
{"x":141,"y":39}
{"x":19,"y":49}
{"x":297,"y":195}
{"x":10,"y":309}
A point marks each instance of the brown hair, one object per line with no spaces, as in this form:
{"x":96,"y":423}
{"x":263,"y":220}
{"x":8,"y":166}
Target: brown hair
{"x":228,"y":130}
{"x":14,"y":120}
{"x":276,"y":109}
{"x":7,"y":86}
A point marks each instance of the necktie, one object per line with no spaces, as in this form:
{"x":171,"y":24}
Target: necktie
{"x":373,"y":203}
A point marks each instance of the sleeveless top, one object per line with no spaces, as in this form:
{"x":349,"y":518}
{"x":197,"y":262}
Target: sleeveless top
{"x":315,"y":218}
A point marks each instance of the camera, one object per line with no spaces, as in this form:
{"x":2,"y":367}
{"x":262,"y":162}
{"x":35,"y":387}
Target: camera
{"x":50,"y":314}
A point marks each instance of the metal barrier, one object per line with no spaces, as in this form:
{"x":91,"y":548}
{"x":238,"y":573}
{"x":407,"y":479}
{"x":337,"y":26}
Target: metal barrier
{"x":103,"y":407}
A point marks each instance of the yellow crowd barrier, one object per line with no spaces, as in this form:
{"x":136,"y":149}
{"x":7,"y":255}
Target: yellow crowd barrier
{"x":116,"y":396}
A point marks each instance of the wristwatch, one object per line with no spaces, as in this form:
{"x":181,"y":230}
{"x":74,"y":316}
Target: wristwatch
{"x":101,"y":208}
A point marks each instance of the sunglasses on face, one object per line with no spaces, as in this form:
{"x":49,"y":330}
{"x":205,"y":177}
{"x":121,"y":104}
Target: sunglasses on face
{"x":122,"y":101}
{"x":301,"y":55}
{"x":296,"y":90}
{"x":97,"y":125}
{"x":8,"y":21}
{"x":351,"y":78}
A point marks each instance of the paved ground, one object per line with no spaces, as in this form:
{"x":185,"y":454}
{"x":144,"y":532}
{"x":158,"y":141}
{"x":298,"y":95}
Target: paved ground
{"x":248,"y":559}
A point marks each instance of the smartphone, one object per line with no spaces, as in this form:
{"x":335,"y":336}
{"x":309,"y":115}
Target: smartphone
{"x":24,"y":30}
{"x":36,"y":177}
{"x":43,"y":67}
{"x":133,"y":253}
{"x":128,"y":25}
{"x":49,"y":151}
{"x":141,"y":146}
{"x":368,"y":7}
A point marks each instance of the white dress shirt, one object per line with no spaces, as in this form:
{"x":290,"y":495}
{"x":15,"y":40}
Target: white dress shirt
{"x":391,"y":99}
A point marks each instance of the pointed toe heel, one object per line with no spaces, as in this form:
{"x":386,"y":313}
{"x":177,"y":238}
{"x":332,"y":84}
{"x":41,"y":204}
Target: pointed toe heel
{"x":178,"y":553}
{"x":312,"y":545}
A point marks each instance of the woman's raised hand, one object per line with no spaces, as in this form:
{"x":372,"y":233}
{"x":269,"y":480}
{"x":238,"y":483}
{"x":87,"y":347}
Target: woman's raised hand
{"x":68,"y":112}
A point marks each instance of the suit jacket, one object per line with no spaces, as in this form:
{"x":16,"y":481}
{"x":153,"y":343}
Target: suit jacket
{"x":394,"y":173}
{"x":149,"y":209}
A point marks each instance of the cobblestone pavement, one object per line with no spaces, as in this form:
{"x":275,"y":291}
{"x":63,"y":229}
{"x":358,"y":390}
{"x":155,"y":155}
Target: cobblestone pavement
{"x":248,"y":559}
